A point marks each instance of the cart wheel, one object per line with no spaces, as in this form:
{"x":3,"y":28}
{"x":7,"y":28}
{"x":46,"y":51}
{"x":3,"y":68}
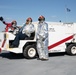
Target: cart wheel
{"x":30,"y":52}
{"x":71,"y":50}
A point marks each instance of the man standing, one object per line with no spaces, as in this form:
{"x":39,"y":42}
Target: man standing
{"x":24,"y":32}
{"x":42,"y":38}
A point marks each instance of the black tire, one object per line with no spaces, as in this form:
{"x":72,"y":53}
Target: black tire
{"x":71,"y":49}
{"x":30,"y":52}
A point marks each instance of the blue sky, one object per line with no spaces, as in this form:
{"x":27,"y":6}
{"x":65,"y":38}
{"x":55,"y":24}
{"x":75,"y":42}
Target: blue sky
{"x":53,"y":10}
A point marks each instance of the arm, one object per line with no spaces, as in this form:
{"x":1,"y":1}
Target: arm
{"x":1,"y":19}
{"x":43,"y":31}
{"x":32,"y":29}
{"x":45,"y":35}
{"x":28,"y":29}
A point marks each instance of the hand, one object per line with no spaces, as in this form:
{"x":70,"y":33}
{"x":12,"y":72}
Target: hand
{"x":1,"y":18}
{"x":43,"y":39}
{"x":12,"y":28}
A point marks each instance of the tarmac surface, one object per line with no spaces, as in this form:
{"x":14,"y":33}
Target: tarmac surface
{"x":58,"y":64}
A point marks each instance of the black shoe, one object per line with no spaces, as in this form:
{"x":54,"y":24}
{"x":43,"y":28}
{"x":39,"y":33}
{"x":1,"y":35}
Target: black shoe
{"x":13,"y":46}
{"x":38,"y":59}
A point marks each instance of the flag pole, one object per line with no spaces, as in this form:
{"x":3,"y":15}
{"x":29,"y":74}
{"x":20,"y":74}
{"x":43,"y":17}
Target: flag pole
{"x":66,"y":11}
{"x":65,"y":14}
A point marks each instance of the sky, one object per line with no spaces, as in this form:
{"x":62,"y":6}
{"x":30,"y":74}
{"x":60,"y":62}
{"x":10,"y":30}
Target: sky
{"x":53,"y":10}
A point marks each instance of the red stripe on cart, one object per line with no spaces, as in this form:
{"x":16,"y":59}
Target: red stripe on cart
{"x":3,"y":42}
{"x":60,"y":42}
{"x":0,"y":49}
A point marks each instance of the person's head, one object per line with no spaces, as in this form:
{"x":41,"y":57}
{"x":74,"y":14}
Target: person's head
{"x":29,"y":20}
{"x":14,"y":23}
{"x":41,"y":18}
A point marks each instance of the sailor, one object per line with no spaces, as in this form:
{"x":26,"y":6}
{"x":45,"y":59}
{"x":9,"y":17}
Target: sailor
{"x":9,"y":26}
{"x":42,"y":38}
{"x":25,"y":32}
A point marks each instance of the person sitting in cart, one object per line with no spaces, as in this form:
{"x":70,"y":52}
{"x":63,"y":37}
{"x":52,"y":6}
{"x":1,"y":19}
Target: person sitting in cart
{"x":25,"y":32}
{"x":10,"y":27}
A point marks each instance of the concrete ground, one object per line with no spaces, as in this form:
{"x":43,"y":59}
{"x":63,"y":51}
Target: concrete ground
{"x":16,"y":64}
